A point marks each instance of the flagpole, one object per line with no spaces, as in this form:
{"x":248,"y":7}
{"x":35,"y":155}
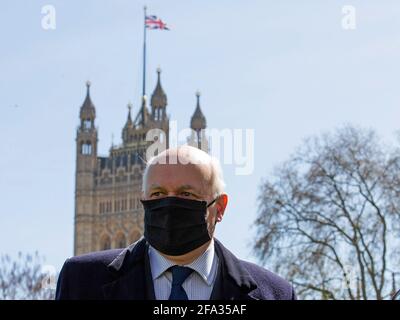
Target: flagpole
{"x":144,"y":53}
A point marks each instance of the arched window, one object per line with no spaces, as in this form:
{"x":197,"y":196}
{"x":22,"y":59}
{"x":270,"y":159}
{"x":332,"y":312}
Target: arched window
{"x":105,"y":243}
{"x":89,"y":148}
{"x":120,"y":240}
{"x":87,"y":124}
{"x":86,"y":148}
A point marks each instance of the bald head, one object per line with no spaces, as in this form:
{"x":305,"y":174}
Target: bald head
{"x":184,"y":171}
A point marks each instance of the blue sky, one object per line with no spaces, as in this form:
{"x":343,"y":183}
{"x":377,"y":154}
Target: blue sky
{"x":286,"y":69}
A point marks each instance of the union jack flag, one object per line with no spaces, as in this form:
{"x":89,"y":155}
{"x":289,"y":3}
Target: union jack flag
{"x":152,"y":22}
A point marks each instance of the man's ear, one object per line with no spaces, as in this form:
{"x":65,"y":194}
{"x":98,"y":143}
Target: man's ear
{"x":221,"y":204}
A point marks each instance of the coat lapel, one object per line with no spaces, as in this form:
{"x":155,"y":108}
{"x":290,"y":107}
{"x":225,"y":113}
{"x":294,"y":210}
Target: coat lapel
{"x":128,"y":271}
{"x":234,"y":281}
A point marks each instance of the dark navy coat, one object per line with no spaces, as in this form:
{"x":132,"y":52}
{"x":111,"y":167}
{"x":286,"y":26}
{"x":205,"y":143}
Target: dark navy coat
{"x":125,"y":274}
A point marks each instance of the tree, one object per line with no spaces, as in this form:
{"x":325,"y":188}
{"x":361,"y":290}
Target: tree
{"x":24,"y":278}
{"x":329,"y":217}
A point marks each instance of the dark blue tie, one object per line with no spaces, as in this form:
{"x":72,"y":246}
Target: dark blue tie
{"x":179,"y":275}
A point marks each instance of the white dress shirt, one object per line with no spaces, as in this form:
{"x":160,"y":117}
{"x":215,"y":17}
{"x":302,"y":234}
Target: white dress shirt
{"x":200,"y":283}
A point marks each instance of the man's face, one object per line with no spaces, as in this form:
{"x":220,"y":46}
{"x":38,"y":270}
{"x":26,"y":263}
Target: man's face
{"x":189,"y":181}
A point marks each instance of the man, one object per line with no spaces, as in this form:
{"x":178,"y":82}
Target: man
{"x":178,"y":258}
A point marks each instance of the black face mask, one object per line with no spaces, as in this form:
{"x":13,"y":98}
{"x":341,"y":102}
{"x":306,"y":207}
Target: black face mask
{"x":175,"y":226}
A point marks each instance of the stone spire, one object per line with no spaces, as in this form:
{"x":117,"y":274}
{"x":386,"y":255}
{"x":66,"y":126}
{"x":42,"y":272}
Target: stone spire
{"x":129,"y":122}
{"x":158,"y":101}
{"x":143,"y":114}
{"x":126,"y":131}
{"x":88,"y":110}
{"x":158,"y":98}
{"x":198,"y":121}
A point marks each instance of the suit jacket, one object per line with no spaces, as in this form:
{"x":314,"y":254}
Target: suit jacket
{"x":124,"y":274}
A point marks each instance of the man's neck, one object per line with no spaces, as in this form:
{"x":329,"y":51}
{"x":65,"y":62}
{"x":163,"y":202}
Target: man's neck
{"x":189,"y":257}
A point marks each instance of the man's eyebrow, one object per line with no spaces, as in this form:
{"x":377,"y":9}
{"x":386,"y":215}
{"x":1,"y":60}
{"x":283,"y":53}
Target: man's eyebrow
{"x":188,"y":187}
{"x":156,"y":186}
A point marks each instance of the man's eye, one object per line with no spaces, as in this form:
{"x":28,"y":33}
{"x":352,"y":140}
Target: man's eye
{"x":186,"y":194}
{"x":156,"y":194}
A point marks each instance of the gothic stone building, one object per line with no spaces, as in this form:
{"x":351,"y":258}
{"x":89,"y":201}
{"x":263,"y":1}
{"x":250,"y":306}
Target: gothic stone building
{"x":108,"y":213}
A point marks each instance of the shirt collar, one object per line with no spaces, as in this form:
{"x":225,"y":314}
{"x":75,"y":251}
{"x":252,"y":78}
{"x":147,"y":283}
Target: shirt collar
{"x":203,"y":265}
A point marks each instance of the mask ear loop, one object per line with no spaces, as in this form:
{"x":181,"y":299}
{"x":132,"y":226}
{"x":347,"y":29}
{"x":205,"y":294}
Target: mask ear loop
{"x":210,"y":204}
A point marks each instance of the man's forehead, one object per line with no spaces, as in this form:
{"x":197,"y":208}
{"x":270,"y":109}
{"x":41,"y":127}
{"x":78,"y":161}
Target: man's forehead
{"x":178,"y":168}
{"x":178,"y":186}
{"x":179,"y":175}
